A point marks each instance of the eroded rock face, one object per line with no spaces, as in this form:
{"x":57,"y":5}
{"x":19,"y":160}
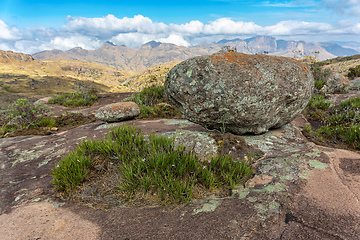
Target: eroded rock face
{"x":116,"y":112}
{"x":240,"y":93}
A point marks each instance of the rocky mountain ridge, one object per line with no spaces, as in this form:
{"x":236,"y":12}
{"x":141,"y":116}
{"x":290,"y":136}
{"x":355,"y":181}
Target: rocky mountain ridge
{"x":153,"y":53}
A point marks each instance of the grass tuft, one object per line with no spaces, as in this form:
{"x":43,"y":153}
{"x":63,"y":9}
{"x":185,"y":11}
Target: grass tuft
{"x":149,"y":166}
{"x":339,"y":124}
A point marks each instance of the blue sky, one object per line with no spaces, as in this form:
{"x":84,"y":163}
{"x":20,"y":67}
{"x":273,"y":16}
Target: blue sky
{"x":36,"y":25}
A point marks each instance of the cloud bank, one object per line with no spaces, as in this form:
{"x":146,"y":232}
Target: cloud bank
{"x":345,"y":7}
{"x":91,"y":33}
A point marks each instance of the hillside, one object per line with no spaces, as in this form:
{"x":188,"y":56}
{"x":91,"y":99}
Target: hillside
{"x":125,"y":58}
{"x":23,"y":76}
{"x":153,"y":53}
{"x":151,"y":76}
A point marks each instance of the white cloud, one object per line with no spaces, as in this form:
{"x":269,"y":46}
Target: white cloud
{"x":228,"y":26}
{"x":91,"y":33}
{"x":7,"y":32}
{"x":110,"y":25}
{"x":297,"y":28}
{"x":132,"y":39}
{"x":345,"y":7}
{"x":175,"y":39}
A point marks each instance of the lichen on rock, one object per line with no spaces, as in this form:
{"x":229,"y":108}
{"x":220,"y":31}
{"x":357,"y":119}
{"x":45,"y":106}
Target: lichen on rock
{"x":116,"y":112}
{"x":240,"y":93}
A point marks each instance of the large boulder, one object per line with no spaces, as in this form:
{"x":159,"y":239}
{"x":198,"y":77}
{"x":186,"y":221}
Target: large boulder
{"x":116,"y":112}
{"x":240,"y":93}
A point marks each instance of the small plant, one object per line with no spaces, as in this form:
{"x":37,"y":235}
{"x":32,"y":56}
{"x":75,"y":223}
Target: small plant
{"x":149,"y":166}
{"x":317,"y":101}
{"x":84,"y":96}
{"x":153,"y":104}
{"x":23,"y":114}
{"x":339,"y":124}
{"x":354,"y":72}
{"x":319,"y":75}
{"x":149,"y":96}
{"x":307,"y":128}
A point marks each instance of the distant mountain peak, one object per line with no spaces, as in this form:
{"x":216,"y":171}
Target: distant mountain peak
{"x":110,"y":43}
{"x":153,"y":52}
{"x":152,"y":44}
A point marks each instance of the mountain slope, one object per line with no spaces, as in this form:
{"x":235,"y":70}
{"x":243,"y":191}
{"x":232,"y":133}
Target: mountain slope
{"x":153,"y":53}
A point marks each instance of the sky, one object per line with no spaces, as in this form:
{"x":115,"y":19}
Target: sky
{"x":31,"y":26}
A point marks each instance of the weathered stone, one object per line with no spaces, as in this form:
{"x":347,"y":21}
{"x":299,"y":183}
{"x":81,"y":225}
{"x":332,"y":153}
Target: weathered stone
{"x":335,"y":83}
{"x":240,"y":93}
{"x":116,"y":112}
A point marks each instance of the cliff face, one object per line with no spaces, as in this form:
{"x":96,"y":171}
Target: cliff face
{"x":15,"y":58}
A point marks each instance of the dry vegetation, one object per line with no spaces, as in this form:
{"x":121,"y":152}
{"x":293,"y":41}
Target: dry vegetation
{"x":22,"y":76}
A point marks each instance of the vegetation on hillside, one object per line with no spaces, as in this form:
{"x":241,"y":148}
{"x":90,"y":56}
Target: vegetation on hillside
{"x":320,"y":76}
{"x":25,"y":118}
{"x":337,"y":124}
{"x":22,"y":115}
{"x":153,"y":103}
{"x":84,"y":96}
{"x":354,"y":72}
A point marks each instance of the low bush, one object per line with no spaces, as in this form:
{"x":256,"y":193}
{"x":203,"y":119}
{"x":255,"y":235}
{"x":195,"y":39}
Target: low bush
{"x":354,"y":72}
{"x":153,"y":103}
{"x":84,"y":96}
{"x":23,"y":114}
{"x":149,"y":96}
{"x":149,"y":166}
{"x":318,"y":101}
{"x":320,"y":76}
{"x":339,"y":124}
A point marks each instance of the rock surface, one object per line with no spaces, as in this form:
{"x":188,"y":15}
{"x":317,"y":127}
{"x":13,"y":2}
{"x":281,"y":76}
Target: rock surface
{"x":335,"y":83}
{"x":116,"y":112}
{"x":240,"y":93}
{"x":300,"y":191}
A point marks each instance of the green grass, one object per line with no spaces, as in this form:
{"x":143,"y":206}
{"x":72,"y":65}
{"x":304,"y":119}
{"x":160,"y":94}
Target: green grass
{"x":320,"y":77}
{"x":84,"y":96}
{"x":153,"y":103}
{"x":150,"y":165}
{"x":149,"y":96}
{"x":318,"y":101}
{"x":340,"y":124}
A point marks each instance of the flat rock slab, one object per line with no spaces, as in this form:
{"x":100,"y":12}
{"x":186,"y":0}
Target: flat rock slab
{"x":301,"y":191}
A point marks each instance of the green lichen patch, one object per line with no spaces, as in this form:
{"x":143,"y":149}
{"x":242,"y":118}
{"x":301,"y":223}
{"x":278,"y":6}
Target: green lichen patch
{"x":318,"y":165}
{"x":208,"y":207}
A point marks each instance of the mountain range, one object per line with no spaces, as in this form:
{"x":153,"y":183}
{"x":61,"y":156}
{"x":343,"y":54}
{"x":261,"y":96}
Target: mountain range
{"x":153,"y":53}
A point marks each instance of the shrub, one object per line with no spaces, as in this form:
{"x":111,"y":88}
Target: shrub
{"x":153,"y":104}
{"x":354,"y":72}
{"x":23,"y":114}
{"x":84,"y":96}
{"x":343,"y":123}
{"x":320,"y":76}
{"x":150,"y":166}
{"x":317,"y":101}
{"x":149,"y":96}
